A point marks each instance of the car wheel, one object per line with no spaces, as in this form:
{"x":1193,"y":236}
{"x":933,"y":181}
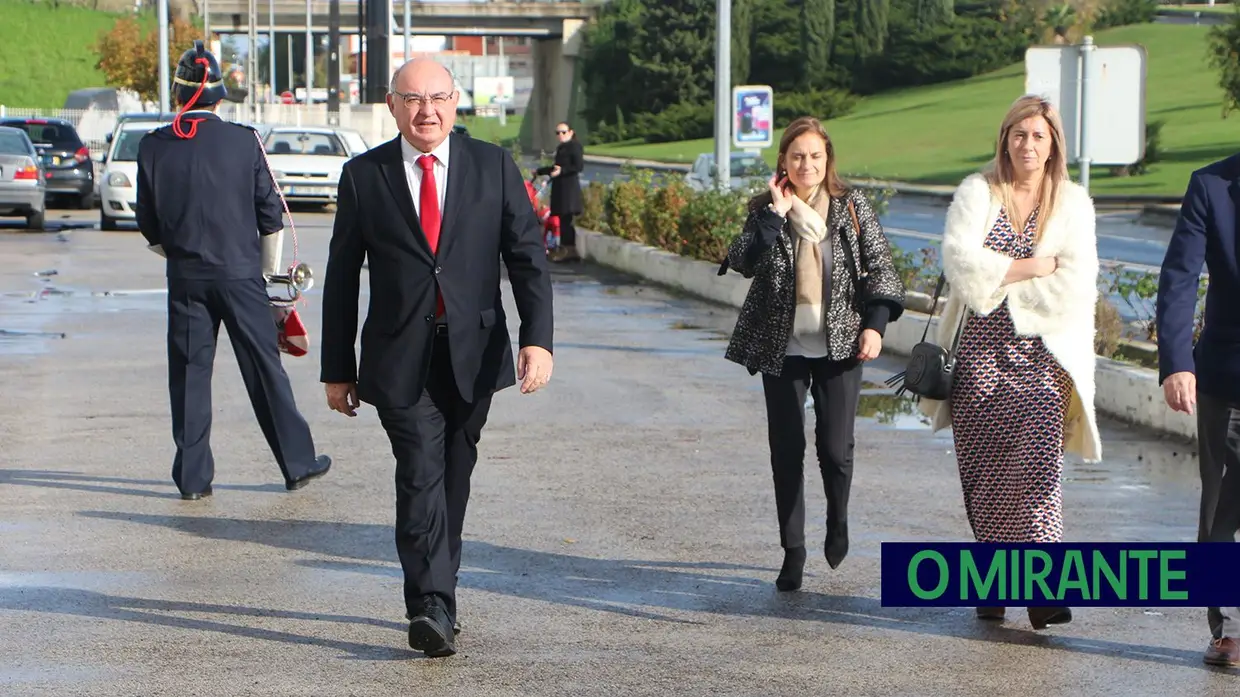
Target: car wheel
{"x":35,"y":221}
{"x":106,"y":223}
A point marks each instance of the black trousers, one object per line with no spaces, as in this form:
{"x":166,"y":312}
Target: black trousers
{"x":435,"y":443}
{"x":836,"y":387}
{"x":1218,"y":431}
{"x":195,"y":310}
{"x":568,"y":233}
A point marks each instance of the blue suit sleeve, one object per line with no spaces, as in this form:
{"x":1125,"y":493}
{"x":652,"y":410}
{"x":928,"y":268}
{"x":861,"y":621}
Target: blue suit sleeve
{"x":1178,"y":282}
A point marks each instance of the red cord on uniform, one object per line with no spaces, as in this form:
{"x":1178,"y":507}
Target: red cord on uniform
{"x":193,"y":123}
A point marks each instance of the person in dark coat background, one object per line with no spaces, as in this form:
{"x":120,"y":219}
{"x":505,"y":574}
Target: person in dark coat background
{"x":566,"y":190}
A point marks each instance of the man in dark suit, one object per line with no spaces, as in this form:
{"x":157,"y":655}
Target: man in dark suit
{"x":1206,"y":377}
{"x":206,"y":202}
{"x":432,"y":213}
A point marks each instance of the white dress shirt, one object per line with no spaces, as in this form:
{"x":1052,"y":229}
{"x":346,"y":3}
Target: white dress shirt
{"x":413,"y":173}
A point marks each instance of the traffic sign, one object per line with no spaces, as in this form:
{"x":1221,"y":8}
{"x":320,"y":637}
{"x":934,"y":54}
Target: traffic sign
{"x":1100,"y":94}
{"x":753,"y":116}
{"x":287,"y":97}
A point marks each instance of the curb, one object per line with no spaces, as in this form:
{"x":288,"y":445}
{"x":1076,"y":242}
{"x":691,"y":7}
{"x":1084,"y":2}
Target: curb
{"x":1128,"y":393}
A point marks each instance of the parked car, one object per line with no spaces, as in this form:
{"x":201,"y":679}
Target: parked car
{"x":67,"y":167}
{"x":23,"y":186}
{"x":118,"y":180}
{"x":306,"y":160}
{"x":747,"y":170}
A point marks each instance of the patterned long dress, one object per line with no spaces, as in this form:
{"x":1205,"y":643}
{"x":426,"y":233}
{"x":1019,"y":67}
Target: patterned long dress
{"x":1008,"y":403}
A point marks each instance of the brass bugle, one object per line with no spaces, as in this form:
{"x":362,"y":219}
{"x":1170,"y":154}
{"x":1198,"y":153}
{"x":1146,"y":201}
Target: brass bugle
{"x":299,"y":279}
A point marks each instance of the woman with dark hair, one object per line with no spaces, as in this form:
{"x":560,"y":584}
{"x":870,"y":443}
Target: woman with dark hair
{"x":824,"y":288}
{"x":566,"y":190}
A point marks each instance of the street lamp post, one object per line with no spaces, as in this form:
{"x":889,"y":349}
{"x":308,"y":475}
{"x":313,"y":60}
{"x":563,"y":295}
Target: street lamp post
{"x":309,"y":53}
{"x":723,"y":90}
{"x":163,"y":58}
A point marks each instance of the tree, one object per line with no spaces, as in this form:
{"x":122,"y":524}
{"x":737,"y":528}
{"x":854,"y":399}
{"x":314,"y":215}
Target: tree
{"x":742,"y":39}
{"x":817,"y":34}
{"x":871,"y":26}
{"x":130,"y":60}
{"x":929,"y":13}
{"x":1224,"y":52}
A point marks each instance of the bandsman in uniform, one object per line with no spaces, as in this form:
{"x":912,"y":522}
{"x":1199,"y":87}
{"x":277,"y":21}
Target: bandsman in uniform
{"x":207,"y":203}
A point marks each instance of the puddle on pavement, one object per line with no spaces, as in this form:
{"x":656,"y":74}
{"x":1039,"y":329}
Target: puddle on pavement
{"x":885,"y":409}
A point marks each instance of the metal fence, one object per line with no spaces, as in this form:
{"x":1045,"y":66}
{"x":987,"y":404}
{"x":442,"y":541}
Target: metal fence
{"x":372,"y":121}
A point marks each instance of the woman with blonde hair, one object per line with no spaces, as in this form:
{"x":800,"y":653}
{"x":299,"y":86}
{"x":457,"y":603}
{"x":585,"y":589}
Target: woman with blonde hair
{"x":1021,"y":261}
{"x":824,"y":288}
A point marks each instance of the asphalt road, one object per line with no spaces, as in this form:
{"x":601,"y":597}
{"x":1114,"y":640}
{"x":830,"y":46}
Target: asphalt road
{"x":621,"y":538}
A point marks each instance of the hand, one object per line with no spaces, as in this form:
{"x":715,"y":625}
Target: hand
{"x":1047,"y":266}
{"x":781,"y":200}
{"x":342,"y":397}
{"x":533,"y":368}
{"x":871,"y":344}
{"x":555,"y":171}
{"x":1180,"y":391}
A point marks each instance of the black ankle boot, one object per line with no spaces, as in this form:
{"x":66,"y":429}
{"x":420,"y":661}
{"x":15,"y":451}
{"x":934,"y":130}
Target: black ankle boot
{"x":836,"y":545}
{"x":790,"y":575}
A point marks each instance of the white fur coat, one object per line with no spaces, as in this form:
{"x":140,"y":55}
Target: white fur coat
{"x":1059,"y":308}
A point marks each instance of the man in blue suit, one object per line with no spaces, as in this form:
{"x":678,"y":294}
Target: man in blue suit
{"x":1204,"y":376}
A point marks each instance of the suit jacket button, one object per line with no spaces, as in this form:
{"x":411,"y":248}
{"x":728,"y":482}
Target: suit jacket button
{"x":430,"y":318}
{"x":438,"y":269}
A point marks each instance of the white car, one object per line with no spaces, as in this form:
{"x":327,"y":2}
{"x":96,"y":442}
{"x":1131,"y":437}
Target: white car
{"x":118,"y":181}
{"x":307,"y":160}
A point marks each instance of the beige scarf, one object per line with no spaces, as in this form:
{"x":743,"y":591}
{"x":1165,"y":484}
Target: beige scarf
{"x":809,"y":227}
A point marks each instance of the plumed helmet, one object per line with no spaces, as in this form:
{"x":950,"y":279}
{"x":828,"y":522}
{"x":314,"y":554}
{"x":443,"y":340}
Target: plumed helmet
{"x":194,"y":64}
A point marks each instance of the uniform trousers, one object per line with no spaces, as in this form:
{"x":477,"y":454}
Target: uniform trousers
{"x":195,"y":310}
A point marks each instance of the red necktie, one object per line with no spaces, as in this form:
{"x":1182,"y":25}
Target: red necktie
{"x":429,"y":204}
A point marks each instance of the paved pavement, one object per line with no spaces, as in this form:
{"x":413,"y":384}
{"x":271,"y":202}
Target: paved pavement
{"x":621,"y":538}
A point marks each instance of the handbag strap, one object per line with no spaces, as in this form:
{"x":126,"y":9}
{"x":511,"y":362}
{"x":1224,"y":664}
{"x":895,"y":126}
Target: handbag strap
{"x":860,"y":275}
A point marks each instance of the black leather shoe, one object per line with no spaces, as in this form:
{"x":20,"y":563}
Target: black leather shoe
{"x":324,"y":463}
{"x":430,"y":631}
{"x":194,"y":496}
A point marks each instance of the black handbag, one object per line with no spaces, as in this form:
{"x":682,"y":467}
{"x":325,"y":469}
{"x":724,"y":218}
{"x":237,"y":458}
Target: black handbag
{"x":930,"y":368}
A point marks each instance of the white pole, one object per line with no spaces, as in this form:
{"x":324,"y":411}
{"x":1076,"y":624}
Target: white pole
{"x":271,"y":49}
{"x":206,"y":22}
{"x":407,"y":31}
{"x":1087,"y":62}
{"x":723,"y":91}
{"x":164,"y":78}
{"x":309,"y":54}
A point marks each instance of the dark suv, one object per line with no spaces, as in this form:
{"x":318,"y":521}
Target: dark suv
{"x":68,"y":169}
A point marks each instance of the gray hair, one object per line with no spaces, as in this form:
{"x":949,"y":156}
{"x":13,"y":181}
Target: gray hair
{"x":396,"y":73}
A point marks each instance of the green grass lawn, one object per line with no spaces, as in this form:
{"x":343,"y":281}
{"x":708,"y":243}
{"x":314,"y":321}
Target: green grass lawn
{"x":47,"y":53}
{"x":489,"y":129}
{"x":939,"y":134}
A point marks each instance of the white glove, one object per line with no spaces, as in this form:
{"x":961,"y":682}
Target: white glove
{"x":158,"y":249}
{"x":273,"y":245}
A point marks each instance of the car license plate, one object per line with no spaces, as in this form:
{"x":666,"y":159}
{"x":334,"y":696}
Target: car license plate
{"x":55,"y":161}
{"x":308,"y":191}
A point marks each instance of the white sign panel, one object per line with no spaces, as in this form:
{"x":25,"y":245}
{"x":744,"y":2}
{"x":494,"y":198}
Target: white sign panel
{"x":1114,"y":108}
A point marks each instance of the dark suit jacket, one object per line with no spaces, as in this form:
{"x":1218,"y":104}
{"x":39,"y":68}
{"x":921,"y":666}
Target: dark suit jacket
{"x":486,"y":216}
{"x":566,"y":188}
{"x":1206,"y":232}
{"x":207,"y":199}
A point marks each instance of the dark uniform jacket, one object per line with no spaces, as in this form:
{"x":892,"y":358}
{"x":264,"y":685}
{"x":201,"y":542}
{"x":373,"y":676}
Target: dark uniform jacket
{"x":207,"y":199}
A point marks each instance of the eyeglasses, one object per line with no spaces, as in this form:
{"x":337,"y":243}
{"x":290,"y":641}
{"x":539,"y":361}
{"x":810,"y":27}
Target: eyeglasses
{"x":414,"y":100}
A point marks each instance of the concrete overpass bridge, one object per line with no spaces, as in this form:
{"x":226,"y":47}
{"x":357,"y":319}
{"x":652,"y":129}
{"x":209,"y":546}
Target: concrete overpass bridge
{"x":555,"y":26}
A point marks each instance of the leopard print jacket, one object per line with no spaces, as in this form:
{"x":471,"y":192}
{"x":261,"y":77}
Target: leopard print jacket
{"x":763,"y":252}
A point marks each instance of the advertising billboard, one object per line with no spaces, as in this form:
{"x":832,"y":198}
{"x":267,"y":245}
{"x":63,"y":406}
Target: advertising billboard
{"x":753,"y":116}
